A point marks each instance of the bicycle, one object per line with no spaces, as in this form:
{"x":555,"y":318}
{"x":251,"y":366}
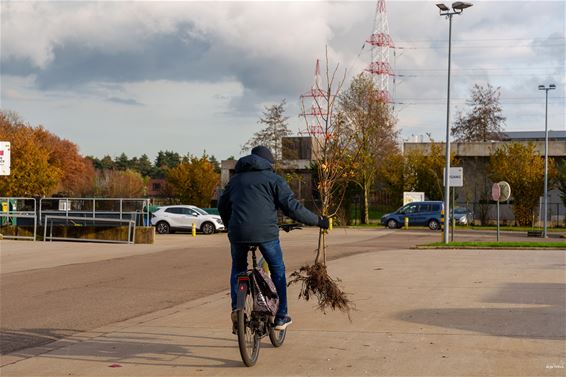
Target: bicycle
{"x":251,"y":324}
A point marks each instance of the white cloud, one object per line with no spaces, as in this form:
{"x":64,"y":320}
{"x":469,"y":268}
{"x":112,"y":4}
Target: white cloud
{"x":292,"y":27}
{"x":185,"y":64}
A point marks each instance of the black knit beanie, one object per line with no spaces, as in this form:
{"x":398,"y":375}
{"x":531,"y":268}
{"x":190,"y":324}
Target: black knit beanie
{"x":263,"y":152}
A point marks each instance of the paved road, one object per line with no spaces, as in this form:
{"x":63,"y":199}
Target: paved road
{"x":59,"y":295}
{"x":418,"y":313}
{"x":44,"y":304}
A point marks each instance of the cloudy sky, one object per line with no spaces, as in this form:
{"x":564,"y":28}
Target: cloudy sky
{"x":139,"y":77}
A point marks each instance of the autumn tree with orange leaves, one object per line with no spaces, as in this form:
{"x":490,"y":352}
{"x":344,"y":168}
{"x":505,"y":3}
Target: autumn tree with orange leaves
{"x":77,"y":172}
{"x":42,"y":163}
{"x":193,"y":181}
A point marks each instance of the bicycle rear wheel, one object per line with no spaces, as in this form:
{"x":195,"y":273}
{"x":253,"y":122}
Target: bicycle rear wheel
{"x":248,"y":340}
{"x":277,"y":337}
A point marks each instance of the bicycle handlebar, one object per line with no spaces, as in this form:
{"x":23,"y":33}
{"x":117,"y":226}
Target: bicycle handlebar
{"x":289,"y":227}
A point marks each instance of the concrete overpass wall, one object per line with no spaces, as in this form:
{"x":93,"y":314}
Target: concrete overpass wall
{"x":474,"y":157}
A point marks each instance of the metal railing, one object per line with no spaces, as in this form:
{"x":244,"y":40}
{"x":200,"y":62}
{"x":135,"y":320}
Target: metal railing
{"x":134,"y":209}
{"x":79,"y":220}
{"x":9,"y":211}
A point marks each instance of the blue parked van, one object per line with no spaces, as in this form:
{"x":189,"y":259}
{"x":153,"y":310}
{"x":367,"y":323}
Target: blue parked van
{"x":419,"y":213}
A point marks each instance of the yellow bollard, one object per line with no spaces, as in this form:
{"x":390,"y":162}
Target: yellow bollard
{"x":406,"y":223}
{"x":194,"y":230}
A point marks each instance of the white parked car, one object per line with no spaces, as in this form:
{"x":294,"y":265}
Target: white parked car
{"x":168,"y":219}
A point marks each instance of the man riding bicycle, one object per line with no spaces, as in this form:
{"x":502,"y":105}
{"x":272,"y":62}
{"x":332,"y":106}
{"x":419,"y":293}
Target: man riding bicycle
{"x":248,"y":207}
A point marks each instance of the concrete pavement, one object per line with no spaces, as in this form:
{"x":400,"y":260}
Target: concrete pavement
{"x":16,"y":256}
{"x":77,"y":287}
{"x":419,"y":312}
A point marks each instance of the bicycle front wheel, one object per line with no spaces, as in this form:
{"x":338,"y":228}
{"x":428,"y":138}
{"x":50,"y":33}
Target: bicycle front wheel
{"x":248,"y":340}
{"x":277,"y":337}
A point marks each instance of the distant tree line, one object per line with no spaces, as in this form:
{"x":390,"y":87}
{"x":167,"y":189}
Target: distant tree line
{"x":157,"y":169}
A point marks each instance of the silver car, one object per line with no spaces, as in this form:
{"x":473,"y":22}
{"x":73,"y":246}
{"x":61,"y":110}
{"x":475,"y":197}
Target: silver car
{"x":168,"y":219}
{"x":463,"y":216}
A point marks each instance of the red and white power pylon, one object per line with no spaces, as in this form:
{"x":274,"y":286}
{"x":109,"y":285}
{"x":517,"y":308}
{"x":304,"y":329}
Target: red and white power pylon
{"x":381,"y":42}
{"x":317,"y":99}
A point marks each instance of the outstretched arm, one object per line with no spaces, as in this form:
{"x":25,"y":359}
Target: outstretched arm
{"x":290,"y":206}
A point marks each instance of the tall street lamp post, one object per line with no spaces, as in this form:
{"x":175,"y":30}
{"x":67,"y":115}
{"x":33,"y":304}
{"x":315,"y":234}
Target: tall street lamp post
{"x":546,"y":89}
{"x":457,"y":8}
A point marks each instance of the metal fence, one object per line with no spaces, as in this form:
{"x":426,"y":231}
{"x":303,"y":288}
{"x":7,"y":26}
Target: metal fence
{"x":18,"y":212}
{"x":487,"y":213}
{"x":80,"y":221}
{"x":133,"y":209}
{"x":20,"y":217}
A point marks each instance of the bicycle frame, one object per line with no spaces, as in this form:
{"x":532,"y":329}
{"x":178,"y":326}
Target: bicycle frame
{"x":244,"y":282}
{"x":261,"y":322}
{"x":244,"y":279}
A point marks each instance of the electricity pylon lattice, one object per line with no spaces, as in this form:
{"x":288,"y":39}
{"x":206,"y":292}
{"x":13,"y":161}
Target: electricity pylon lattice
{"x":315,"y":91}
{"x":318,"y":100}
{"x":381,"y":42}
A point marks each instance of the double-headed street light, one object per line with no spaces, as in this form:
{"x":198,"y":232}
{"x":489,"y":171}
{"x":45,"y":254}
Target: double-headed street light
{"x":457,"y":8}
{"x":546,"y":89}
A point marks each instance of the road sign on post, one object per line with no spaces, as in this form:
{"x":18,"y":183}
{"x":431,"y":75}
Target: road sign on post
{"x":495,"y":192}
{"x":496,"y":195}
{"x":456,"y":177}
{"x":4,"y":158}
{"x":500,"y":191}
{"x":505,"y":190}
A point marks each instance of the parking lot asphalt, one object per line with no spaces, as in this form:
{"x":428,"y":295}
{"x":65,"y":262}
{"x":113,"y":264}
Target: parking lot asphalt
{"x":164,"y":311}
{"x":78,"y":287}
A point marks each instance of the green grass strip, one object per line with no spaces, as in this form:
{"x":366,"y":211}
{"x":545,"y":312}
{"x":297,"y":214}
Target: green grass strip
{"x":515,"y":228}
{"x":492,"y":244}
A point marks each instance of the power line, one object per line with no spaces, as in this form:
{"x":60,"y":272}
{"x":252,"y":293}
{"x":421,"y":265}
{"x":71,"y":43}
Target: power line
{"x":444,"y":103}
{"x":469,"y":74}
{"x":439,"y":103}
{"x":480,"y":46}
{"x":481,"y":69}
{"x":481,"y":39}
{"x":507,"y":98}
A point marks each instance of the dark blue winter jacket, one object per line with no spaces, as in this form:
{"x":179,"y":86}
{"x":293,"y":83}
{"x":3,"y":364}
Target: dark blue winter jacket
{"x":248,"y":206}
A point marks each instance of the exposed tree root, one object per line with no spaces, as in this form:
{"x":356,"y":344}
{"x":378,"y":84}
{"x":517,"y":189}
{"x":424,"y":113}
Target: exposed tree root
{"x":316,"y":282}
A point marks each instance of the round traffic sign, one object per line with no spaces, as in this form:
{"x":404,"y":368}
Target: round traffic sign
{"x":505,"y":191}
{"x":495,"y":192}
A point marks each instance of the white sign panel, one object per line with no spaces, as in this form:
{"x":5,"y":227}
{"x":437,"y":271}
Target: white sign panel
{"x":456,"y":177}
{"x":4,"y":158}
{"x":409,"y":197}
{"x":64,"y":205}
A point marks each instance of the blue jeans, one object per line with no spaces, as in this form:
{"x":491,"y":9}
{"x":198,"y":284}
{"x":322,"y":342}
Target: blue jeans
{"x":273,"y":255}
